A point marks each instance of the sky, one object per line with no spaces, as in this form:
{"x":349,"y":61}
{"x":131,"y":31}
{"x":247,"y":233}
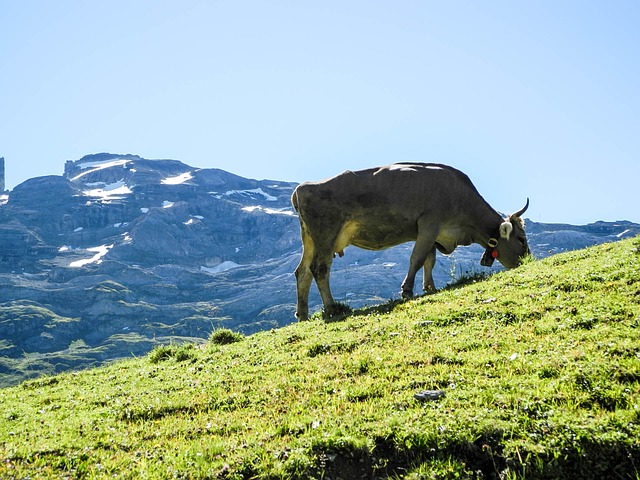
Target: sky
{"x":537,"y":99}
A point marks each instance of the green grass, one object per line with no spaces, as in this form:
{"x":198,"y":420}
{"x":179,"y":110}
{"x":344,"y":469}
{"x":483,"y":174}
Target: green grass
{"x":540,"y":366}
{"x":224,"y":336}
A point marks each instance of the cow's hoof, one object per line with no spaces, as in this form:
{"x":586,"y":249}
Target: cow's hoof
{"x":336,"y":311}
{"x":407,"y":294}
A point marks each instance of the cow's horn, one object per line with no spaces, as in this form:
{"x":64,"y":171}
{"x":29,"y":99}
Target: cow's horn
{"x":522,"y":210}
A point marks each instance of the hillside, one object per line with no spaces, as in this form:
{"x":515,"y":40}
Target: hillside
{"x":540,"y":369}
{"x":122,"y":253}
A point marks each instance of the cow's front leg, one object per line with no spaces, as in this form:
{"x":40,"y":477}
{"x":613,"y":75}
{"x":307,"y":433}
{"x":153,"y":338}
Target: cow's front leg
{"x":406,"y":289}
{"x":427,"y":268}
{"x":423,"y":248}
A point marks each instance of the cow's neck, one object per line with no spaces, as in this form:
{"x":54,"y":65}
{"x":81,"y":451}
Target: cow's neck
{"x":487,"y":227}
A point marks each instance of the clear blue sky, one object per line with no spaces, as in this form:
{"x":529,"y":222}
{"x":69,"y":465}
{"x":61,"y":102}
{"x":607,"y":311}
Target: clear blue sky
{"x":529,"y":98}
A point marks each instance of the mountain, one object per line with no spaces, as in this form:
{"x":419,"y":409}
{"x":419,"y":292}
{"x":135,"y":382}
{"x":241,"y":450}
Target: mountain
{"x":121,"y":253}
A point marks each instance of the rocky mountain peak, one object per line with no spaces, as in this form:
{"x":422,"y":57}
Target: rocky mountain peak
{"x":121,"y":253}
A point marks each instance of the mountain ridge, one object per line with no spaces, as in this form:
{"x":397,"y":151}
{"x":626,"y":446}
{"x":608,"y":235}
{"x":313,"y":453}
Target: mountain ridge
{"x":121,"y":253}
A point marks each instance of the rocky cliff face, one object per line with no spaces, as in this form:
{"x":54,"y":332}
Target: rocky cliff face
{"x":121,"y":253}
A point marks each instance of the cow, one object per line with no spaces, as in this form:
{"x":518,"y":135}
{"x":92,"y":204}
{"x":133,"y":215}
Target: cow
{"x":434,"y":205}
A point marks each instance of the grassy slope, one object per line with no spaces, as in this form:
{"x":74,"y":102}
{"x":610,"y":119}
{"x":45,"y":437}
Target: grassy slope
{"x":540,"y":365}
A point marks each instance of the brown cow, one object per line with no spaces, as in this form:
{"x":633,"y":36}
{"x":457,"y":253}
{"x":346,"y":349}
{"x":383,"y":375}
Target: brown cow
{"x":434,"y":205}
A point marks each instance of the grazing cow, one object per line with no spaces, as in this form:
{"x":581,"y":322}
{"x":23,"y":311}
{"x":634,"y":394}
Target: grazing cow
{"x":435,"y":205}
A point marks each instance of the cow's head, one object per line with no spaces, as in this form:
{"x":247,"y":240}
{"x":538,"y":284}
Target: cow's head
{"x":510,"y":245}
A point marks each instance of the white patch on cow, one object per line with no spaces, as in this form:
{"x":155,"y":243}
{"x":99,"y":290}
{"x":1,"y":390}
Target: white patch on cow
{"x":505,"y":230}
{"x":402,"y":168}
{"x":269,"y":211}
{"x":222,"y":267}
{"x":92,"y":167}
{"x":101,"y":251}
{"x":178,"y":179}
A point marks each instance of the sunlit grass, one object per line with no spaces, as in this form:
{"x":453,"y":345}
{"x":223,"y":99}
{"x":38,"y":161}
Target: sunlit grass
{"x":540,"y":367}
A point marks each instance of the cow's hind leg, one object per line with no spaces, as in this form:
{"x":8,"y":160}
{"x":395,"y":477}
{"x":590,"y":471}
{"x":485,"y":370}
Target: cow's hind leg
{"x":321,"y":269}
{"x":304,"y":277}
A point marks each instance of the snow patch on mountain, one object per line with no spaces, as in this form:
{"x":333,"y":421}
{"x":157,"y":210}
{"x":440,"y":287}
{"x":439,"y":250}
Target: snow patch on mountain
{"x":222,"y":267}
{"x":270,"y":211}
{"x":178,"y":179}
{"x":100,"y":251}
{"x":111,"y":191}
{"x":250,"y":193}
{"x":92,"y":167}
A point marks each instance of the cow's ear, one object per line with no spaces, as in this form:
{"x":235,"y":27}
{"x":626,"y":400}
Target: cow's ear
{"x":505,"y":229}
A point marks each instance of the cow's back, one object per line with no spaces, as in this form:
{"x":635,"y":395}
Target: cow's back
{"x":404,"y":186}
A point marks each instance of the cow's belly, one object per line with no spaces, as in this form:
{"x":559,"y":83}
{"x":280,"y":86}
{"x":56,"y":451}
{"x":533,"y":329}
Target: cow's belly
{"x":374,"y":236}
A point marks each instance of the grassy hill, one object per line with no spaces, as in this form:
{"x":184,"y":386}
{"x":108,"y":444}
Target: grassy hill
{"x":540,"y":369}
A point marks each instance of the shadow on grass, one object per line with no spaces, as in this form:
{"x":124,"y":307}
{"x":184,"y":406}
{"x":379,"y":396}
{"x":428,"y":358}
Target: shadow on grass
{"x":482,"y":458}
{"x":341,"y":311}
